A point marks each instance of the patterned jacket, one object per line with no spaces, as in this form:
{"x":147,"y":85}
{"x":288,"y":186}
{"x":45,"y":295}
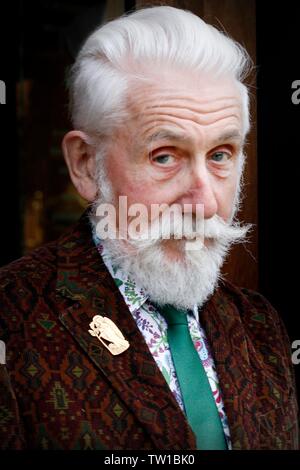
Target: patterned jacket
{"x":62,"y":389}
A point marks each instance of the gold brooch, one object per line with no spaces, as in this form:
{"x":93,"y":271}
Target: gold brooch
{"x":109,"y":334}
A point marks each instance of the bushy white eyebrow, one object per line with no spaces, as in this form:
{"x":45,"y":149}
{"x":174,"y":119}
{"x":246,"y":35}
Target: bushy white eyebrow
{"x":177,"y":136}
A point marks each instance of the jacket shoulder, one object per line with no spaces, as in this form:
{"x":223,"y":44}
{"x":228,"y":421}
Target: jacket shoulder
{"x":253,"y":306}
{"x":262,"y":324}
{"x":24,"y":281}
{"x":40,"y":258}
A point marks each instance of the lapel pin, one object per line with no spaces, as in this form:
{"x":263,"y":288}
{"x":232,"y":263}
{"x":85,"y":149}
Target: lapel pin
{"x":109,"y":334}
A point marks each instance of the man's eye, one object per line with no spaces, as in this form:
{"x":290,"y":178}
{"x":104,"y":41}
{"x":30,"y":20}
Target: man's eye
{"x":163,"y":159}
{"x":220,"y":157}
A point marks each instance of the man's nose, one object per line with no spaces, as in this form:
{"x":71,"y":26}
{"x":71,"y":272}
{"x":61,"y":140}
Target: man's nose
{"x":201,"y":190}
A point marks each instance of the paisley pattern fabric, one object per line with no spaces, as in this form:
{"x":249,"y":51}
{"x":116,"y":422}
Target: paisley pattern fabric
{"x":153,"y":327}
{"x":60,"y":388}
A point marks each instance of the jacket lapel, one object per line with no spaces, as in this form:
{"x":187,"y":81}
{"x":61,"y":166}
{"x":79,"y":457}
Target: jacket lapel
{"x":85,"y":289}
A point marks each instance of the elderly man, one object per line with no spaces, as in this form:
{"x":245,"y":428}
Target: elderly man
{"x":121,"y":337}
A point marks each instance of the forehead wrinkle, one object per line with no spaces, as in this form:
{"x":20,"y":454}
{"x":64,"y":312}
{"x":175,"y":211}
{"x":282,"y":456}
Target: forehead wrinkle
{"x":188,"y":117}
{"x":161,"y":107}
{"x":149,"y":110}
{"x":191,"y":109}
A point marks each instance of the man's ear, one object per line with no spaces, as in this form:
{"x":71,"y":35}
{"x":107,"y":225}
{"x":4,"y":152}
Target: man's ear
{"x":81,"y":162}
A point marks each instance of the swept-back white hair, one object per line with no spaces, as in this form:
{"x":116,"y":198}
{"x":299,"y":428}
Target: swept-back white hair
{"x":100,"y":80}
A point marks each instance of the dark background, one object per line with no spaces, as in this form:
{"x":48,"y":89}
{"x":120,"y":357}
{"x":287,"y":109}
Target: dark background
{"x":278,"y":146}
{"x":33,"y":38}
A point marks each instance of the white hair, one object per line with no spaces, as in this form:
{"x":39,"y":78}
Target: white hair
{"x":100,"y":81}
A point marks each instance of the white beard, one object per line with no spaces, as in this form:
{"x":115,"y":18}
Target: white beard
{"x":184,"y":282}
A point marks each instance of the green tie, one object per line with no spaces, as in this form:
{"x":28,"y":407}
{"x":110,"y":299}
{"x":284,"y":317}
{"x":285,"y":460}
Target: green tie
{"x":200,"y":406}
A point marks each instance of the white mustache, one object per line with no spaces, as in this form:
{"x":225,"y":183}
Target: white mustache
{"x":186,"y":227}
